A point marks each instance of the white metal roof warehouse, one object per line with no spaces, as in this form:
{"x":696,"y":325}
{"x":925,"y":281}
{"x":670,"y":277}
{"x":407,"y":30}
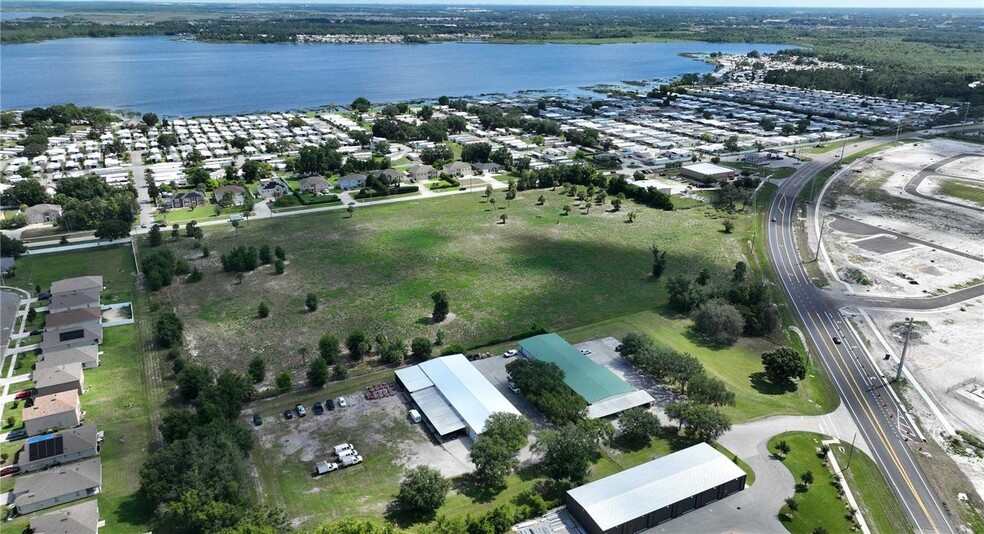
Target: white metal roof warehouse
{"x":453,"y":395}
{"x":646,"y":495}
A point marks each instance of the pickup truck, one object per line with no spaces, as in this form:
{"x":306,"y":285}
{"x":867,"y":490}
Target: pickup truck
{"x":351,"y":460}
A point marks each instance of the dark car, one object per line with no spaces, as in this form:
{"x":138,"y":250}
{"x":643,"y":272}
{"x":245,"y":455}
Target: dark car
{"x":837,"y":340}
{"x":330,"y":403}
{"x":36,"y":332}
{"x":44,"y":295}
{"x":288,"y":414}
{"x":257,"y":420}
{"x":16,"y":434}
{"x":9,"y":470}
{"x":318,"y":408}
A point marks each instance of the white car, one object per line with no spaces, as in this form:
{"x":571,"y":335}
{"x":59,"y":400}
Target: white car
{"x":338,"y":449}
{"x":513,"y":388}
{"x":341,"y":402}
{"x":510,"y":353}
{"x":585,"y":351}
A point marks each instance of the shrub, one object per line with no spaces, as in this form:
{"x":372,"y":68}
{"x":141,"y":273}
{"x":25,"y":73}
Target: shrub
{"x":283,"y":382}
{"x":421,"y":348}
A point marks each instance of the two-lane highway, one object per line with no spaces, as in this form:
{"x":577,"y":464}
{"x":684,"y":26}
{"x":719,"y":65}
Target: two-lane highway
{"x":880,"y":419}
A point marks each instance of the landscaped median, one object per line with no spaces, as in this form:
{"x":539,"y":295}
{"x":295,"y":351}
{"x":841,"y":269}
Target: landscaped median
{"x":819,"y":501}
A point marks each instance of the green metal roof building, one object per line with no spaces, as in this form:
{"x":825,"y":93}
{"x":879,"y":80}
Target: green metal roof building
{"x":588,"y":379}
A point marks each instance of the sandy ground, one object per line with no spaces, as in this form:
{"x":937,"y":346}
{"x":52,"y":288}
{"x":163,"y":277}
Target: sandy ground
{"x":875,"y":196}
{"x":945,"y":358}
{"x":965,"y":168}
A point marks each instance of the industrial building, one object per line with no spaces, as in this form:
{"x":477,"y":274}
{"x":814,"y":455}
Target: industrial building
{"x":654,"y":492}
{"x":453,"y":396}
{"x":606,"y":393}
{"x":708,"y":172}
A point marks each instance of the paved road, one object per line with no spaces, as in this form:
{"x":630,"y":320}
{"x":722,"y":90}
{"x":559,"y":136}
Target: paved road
{"x":912,"y":187}
{"x":862,"y":391}
{"x":9,"y":303}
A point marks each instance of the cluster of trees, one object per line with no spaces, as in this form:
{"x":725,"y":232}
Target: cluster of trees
{"x":436,"y":154}
{"x":726,"y":309}
{"x":595,"y":181}
{"x":699,"y":414}
{"x":542,"y":383}
{"x":159,"y":267}
{"x":86,"y":200}
{"x":587,"y":137}
{"x":495,"y":452}
{"x":435,"y":130}
{"x":244,"y":259}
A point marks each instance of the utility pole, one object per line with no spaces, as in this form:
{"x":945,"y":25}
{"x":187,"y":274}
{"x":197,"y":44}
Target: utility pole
{"x":905,"y":347}
{"x":898,"y":129}
{"x":850,"y":455}
{"x":823,"y":224}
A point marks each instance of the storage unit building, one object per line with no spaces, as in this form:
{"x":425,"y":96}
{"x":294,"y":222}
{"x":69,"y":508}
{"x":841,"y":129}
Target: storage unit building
{"x":649,"y":494}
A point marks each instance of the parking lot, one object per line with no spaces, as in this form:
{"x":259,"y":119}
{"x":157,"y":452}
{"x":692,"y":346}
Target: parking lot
{"x":602,"y":351}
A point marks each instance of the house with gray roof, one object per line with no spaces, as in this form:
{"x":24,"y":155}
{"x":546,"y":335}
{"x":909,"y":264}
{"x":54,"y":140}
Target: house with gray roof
{"x":352,"y":181}
{"x":68,"y":377}
{"x":43,"y":213}
{"x":421,"y":172}
{"x":53,"y":487}
{"x":457,"y":169}
{"x":73,"y":301}
{"x":49,"y":450}
{"x":235,"y":194}
{"x":82,"y":518}
{"x":314,"y":184}
{"x":71,"y":337}
{"x":77,"y":285}
{"x":80,"y":317}
{"x":87,"y":356}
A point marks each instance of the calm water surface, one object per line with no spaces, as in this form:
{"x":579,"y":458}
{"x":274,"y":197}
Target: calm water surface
{"x":187,"y":78}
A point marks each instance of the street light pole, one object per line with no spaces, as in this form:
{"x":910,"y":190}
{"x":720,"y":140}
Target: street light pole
{"x":905,"y":347}
{"x":823,"y":224}
{"x":851,"y":454}
{"x":898,"y":129}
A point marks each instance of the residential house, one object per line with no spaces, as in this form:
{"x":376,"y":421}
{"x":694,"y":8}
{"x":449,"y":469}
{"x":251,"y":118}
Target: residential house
{"x":352,"y":181}
{"x":78,"y":284}
{"x":391,"y":176}
{"x":191,"y":199}
{"x":73,"y":301}
{"x":82,"y":518}
{"x":88,"y":356}
{"x":487,"y":168}
{"x":52,"y":412}
{"x":457,"y":169}
{"x":53,"y":487}
{"x":43,"y":213}
{"x":83,"y":317}
{"x":51,"y":380}
{"x":49,"y":450}
{"x":272,"y":189}
{"x":421,"y":172}
{"x":71,"y":337}
{"x":314,"y":184}
{"x":234,"y":194}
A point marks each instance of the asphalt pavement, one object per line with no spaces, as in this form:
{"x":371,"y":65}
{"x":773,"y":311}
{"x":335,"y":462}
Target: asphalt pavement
{"x":881,"y":421}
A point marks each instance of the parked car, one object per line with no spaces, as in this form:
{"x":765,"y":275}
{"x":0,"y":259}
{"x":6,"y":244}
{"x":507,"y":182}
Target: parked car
{"x":341,"y":402}
{"x":513,"y":388}
{"x":16,"y":434}
{"x":288,"y":414}
{"x":342,"y":447}
{"x":36,"y":332}
{"x":510,"y":353}
{"x":257,"y":420}
{"x":318,"y":408}
{"x":585,"y":352}
{"x":330,"y":404}
{"x":347,"y":453}
{"x":9,"y":470}
{"x":415,"y":416}
{"x":351,"y":460}
{"x":24,"y":393}
{"x":301,"y":412}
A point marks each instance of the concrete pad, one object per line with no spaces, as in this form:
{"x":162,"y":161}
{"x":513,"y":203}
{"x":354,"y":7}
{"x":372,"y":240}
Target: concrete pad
{"x":883,"y":244}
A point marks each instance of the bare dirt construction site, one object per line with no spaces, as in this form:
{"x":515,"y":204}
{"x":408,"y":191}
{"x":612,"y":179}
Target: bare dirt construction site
{"x":891,"y":232}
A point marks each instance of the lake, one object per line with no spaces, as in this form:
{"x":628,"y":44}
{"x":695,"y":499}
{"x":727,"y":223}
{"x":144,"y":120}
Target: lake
{"x":174,"y":77}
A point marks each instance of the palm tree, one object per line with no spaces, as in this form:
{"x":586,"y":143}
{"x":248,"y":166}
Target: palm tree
{"x":492,"y":201}
{"x":503,"y":218}
{"x":632,"y":216}
{"x":541,"y":200}
{"x":350,"y":210}
{"x":792,"y":504}
{"x":807,"y":478}
{"x":567,"y":209}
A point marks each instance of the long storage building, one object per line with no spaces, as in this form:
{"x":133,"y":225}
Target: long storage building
{"x":656,"y":491}
{"x":453,"y":396}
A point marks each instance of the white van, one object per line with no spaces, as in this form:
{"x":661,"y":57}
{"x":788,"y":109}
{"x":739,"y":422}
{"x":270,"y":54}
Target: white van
{"x":415,"y":416}
{"x":343,"y":447}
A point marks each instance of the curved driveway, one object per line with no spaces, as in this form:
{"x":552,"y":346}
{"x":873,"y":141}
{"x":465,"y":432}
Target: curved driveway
{"x":912,"y":187}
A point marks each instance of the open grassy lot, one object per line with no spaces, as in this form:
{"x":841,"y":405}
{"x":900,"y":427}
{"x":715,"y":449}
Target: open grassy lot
{"x":117,"y":400}
{"x":964,"y":190}
{"x":820,"y":505}
{"x":377,"y":269}
{"x":114,"y":263}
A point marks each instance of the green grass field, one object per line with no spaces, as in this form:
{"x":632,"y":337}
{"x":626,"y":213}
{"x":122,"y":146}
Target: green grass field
{"x":961,"y":189}
{"x":377,"y":269}
{"x":820,"y":505}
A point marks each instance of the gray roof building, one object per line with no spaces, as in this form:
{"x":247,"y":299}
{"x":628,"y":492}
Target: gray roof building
{"x":82,"y":518}
{"x":656,"y":491}
{"x":74,"y":285}
{"x":73,"y":301}
{"x":88,"y":356}
{"x":71,"y":337}
{"x":59,"y":448}
{"x":65,"y":484}
{"x":58,"y":378}
{"x":79,"y":316}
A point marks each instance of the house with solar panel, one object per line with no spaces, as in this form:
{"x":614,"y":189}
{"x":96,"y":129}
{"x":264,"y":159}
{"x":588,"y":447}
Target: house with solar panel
{"x":70,"y":338}
{"x":607,"y":394}
{"x":67,"y":446}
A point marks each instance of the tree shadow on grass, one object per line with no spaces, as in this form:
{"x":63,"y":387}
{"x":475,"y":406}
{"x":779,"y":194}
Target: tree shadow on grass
{"x":676,"y":439}
{"x":404,"y":518}
{"x":761,"y":383}
{"x":135,"y":511}
{"x":477,"y":490}
{"x":700,"y":339}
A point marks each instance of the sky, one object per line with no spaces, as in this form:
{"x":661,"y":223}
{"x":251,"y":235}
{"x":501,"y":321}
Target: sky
{"x":847,"y":4}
